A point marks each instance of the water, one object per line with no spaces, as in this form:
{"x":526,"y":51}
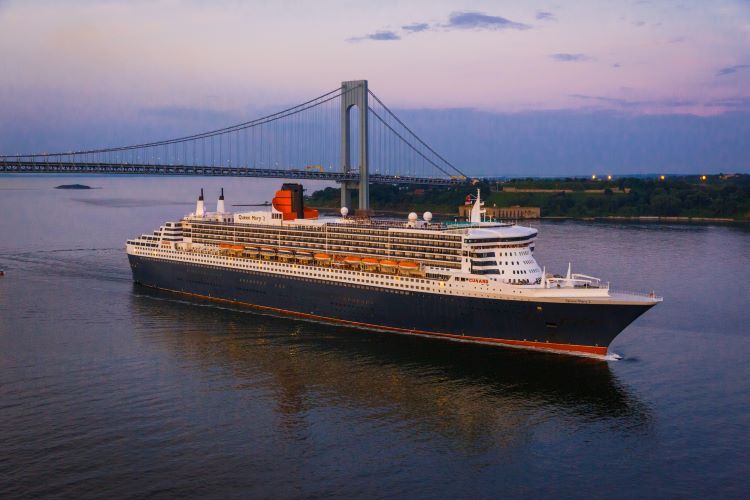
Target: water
{"x":107,"y":389}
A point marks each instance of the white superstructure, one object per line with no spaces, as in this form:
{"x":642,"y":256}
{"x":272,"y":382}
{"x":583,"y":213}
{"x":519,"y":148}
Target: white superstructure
{"x":475,"y":258}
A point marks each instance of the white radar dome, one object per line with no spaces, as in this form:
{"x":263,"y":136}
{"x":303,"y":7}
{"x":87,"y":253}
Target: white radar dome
{"x":413,"y":217}
{"x":427,"y":216}
{"x":344,"y":211}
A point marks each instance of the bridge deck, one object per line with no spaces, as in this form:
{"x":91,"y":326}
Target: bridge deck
{"x":38,"y":167}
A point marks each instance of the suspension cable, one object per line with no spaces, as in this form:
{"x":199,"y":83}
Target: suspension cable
{"x":415,"y":135}
{"x":409,"y":144}
{"x":258,"y":121}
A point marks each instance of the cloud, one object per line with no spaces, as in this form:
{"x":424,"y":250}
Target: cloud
{"x":732,"y":69}
{"x":457,"y":20}
{"x":626,"y":103}
{"x":380,"y":36}
{"x":545,"y":16}
{"x":728,"y":103}
{"x":415,"y":27}
{"x":565,"y":57}
{"x":740,"y":103}
{"x":481,"y":21}
{"x":607,"y":100}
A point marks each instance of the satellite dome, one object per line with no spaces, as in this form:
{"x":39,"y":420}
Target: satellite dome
{"x":413,"y":217}
{"x":344,"y":211}
{"x":427,"y":216}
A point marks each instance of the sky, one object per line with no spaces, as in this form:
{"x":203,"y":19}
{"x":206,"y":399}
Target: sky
{"x":502,"y":87}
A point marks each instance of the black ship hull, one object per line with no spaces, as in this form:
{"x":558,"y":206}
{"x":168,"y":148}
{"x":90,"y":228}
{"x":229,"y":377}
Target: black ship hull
{"x":584,"y":328}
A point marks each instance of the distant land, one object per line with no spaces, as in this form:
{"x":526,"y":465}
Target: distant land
{"x":701,"y":197}
{"x":73,"y":186}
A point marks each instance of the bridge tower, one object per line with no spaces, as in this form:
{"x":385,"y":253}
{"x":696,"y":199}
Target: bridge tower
{"x":354,"y":93}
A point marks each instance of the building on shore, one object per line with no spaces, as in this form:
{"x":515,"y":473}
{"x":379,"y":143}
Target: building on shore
{"x":515,"y":212}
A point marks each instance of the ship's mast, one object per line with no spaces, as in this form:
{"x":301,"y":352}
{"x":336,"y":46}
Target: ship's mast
{"x":220,"y":203}
{"x":200,"y":208}
{"x":477,"y":210}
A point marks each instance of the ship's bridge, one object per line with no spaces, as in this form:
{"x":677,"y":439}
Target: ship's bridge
{"x":502,"y":251}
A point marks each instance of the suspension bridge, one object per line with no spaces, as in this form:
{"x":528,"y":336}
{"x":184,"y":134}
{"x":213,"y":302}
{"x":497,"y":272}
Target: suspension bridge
{"x":347,"y":135}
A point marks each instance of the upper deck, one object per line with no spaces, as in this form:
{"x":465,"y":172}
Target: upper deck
{"x":480,"y":256}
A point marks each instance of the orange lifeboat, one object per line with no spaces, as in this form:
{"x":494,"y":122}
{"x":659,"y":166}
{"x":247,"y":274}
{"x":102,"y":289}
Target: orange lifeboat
{"x":323,"y":258}
{"x":408,"y":267}
{"x":285,"y":254}
{"x":370,"y":263}
{"x":388,"y":265}
{"x":231,"y":248}
{"x":352,"y":260}
{"x":338,"y":260}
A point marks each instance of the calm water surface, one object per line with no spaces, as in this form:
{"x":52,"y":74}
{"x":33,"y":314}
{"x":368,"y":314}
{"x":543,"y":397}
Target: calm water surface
{"x":107,"y":389}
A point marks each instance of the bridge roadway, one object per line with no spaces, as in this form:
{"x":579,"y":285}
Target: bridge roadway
{"x":54,"y":167}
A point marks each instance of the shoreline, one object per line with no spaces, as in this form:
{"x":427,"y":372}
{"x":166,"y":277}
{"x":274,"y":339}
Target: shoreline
{"x":597,"y":218}
{"x":650,"y":218}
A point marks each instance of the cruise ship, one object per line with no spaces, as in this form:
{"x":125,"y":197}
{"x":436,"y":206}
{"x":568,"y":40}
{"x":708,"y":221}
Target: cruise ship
{"x":470,"y":281}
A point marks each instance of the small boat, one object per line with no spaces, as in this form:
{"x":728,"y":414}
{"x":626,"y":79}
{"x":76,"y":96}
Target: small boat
{"x":408,"y":267}
{"x":322,"y":258}
{"x":285,"y":254}
{"x":388,"y":265}
{"x":370,"y":263}
{"x":352,"y":260}
{"x":230,"y":246}
{"x":338,"y":261}
{"x":304,"y":256}
{"x":267,"y":252}
{"x":250,"y":251}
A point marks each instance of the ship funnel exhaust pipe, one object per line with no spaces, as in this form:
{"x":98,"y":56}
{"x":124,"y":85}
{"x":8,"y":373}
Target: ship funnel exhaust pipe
{"x":200,"y":208}
{"x":220,"y":203}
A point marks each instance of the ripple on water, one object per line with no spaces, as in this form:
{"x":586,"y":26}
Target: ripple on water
{"x":108,"y":389}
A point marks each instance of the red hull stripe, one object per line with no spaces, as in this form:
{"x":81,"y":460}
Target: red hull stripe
{"x":547,"y":346}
